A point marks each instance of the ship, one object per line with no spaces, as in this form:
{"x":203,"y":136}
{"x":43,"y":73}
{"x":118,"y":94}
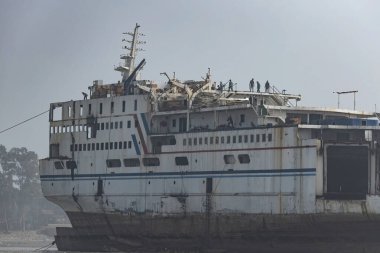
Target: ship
{"x":194,"y":166}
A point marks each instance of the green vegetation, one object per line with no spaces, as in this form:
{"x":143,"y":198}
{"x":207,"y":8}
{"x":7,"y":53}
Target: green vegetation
{"x":22,"y":206}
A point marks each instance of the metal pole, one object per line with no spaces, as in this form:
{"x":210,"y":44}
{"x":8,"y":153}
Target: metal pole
{"x":354,"y":100}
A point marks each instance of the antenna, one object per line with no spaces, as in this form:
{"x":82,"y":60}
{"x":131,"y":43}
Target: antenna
{"x":346,"y":92}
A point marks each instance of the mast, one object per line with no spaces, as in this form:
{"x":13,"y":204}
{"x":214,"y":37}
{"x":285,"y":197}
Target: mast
{"x":129,"y":58}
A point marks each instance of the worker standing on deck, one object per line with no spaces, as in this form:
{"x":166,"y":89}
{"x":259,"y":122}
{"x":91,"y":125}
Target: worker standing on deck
{"x":251,"y":85}
{"x":258,"y":86}
{"x":267,"y":86}
{"x":230,"y":85}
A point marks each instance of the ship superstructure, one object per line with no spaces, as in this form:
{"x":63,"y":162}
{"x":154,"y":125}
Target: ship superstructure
{"x":138,"y":166}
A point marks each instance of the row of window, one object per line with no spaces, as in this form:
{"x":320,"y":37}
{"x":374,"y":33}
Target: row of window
{"x":71,"y":110}
{"x":179,"y":161}
{"x":227,"y":139}
{"x":101,"y":146}
{"x":84,"y":128}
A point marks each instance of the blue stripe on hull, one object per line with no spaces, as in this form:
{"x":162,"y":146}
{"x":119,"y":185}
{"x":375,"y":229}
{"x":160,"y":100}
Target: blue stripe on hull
{"x":134,"y":140}
{"x":189,"y":174}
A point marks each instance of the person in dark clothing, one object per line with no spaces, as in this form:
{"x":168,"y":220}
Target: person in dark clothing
{"x":84,"y":95}
{"x":230,"y":85}
{"x":258,"y":86}
{"x":251,"y":85}
{"x":267,"y":86}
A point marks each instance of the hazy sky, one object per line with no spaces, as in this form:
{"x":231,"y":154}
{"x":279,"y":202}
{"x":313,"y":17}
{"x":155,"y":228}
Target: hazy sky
{"x":52,"y":50}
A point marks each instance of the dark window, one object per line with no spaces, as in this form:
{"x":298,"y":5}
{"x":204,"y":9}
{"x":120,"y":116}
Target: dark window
{"x":200,"y":140}
{"x":84,"y":147}
{"x":211,"y":140}
{"x":216,"y":140}
{"x":257,"y":137}
{"x":129,"y":144}
{"x":135,"y":105}
{"x":113,"y":163}
{"x":151,"y":161}
{"x":80,"y":147}
{"x":129,"y":124}
{"x":100,"y":108}
{"x":234,"y":139}
{"x":111,"y":125}
{"x":174,"y":123}
{"x":89,"y":147}
{"x":93,"y":146}
{"x":181,"y":160}
{"x":115,"y":145}
{"x":111,"y":145}
{"x":116,"y":125}
{"x":71,"y":165}
{"x":112,"y":107}
{"x":184,"y":142}
{"x":121,"y":124}
{"x":222,"y":139}
{"x":263,"y":137}
{"x":89,"y":109}
{"x":195,"y":141}
{"x":228,"y":139}
{"x":229,"y":159}
{"x":240,"y":139}
{"x":244,"y":158}
{"x":76,"y":147}
{"x":206,"y":140}
{"x":120,"y":144}
{"x":252,"y":138}
{"x":97,"y":146}
{"x":132,"y":162}
{"x":71,"y":147}
{"x":190,"y":142}
{"x":136,"y":123}
{"x":269,"y":137}
{"x":123,"y":107}
{"x":242,"y":118}
{"x":106,"y":145}
{"x":102,"y":146}
{"x":97,"y":126}
{"x":107,"y":125}
{"x":58,"y":165}
{"x":245,"y":138}
{"x":102,"y":126}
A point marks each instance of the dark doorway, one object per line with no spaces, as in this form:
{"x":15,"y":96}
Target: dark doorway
{"x":347,"y":172}
{"x":182,"y":125}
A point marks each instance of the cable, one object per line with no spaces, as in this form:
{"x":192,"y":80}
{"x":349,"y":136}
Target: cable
{"x":22,"y":122}
{"x":46,"y":247}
